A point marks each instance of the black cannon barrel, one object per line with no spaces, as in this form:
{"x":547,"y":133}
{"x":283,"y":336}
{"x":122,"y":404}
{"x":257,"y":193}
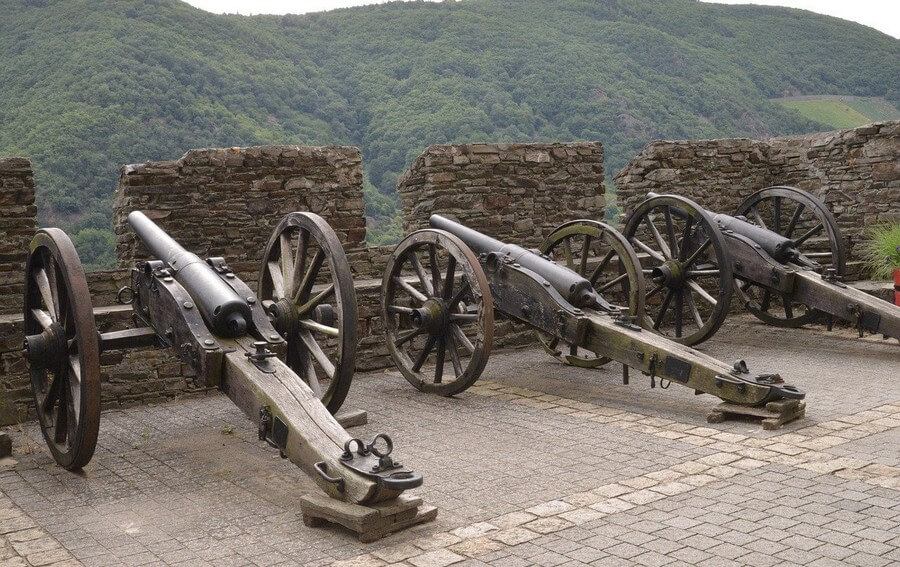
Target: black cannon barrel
{"x":778,"y":247}
{"x":221,"y":307}
{"x":575,"y":289}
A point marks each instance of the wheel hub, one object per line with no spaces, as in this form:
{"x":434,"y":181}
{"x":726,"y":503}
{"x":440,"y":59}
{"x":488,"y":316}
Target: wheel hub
{"x":285,"y":318}
{"x":431,"y":317}
{"x":669,"y":274}
{"x":46,"y":349}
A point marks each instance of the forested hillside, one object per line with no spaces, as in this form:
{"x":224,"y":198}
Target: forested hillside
{"x":87,"y":85}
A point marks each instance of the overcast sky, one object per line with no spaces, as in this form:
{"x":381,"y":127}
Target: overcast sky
{"x":883,"y":15}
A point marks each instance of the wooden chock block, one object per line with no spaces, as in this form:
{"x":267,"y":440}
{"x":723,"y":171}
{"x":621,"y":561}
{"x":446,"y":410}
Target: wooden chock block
{"x":773,"y":415}
{"x":370,"y":523}
{"x":352,"y":418}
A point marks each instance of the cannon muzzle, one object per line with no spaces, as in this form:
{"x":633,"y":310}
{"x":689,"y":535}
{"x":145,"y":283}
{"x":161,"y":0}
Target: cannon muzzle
{"x":222,"y":308}
{"x":575,"y":289}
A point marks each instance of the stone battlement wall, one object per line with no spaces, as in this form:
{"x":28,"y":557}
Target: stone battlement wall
{"x":512,"y":192}
{"x":17,"y":226}
{"x":855,"y":172}
{"x":226,"y":202}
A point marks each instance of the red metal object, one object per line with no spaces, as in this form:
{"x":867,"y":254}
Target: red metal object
{"x":896,"y":286}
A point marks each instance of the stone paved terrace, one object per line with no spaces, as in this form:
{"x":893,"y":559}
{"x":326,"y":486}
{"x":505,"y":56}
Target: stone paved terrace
{"x":538,"y":464}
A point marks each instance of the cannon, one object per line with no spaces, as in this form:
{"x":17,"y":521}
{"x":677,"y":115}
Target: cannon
{"x":284,"y":355}
{"x":582,"y":292}
{"x":781,"y":256}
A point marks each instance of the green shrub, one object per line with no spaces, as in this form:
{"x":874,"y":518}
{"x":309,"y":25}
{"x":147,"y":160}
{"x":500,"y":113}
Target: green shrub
{"x":881,"y":252}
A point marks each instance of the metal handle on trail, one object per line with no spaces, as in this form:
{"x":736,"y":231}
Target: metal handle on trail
{"x":322,"y":468}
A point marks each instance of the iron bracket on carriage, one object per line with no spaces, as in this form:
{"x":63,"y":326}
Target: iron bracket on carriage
{"x":284,"y":354}
{"x":582,"y":292}
{"x":782,"y":254}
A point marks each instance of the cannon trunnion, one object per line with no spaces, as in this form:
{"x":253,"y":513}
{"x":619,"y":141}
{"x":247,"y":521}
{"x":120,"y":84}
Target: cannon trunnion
{"x":583,"y":295}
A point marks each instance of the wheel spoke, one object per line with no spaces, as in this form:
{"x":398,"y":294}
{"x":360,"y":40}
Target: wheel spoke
{"x":757,"y":217}
{"x":43,"y":284}
{"x":595,"y":275}
{"x":697,"y":253}
{"x":420,"y":272}
{"x":662,"y":309}
{"x":788,"y":310}
{"x":406,"y":286}
{"x":448,"y":280}
{"x":316,"y":300}
{"x":653,"y":253}
{"x":679,"y":312}
{"x":702,"y":292}
{"x":75,"y":384}
{"x":435,"y":267}
{"x":42,"y":317}
{"x":277,"y":280}
{"x":776,"y":205}
{"x":309,"y":372}
{"x":320,"y":328}
{"x":670,"y":232}
{"x":766,"y":300}
{"x":399,"y":309}
{"x":659,"y":239}
{"x":454,"y":356}
{"x":464,"y":317}
{"x":567,"y":250}
{"x":702,"y":273}
{"x":53,"y":392}
{"x":439,"y":359}
{"x":685,"y":237}
{"x":612,"y":282}
{"x":793,"y":223}
{"x":405,"y":338}
{"x":309,"y":278}
{"x":71,"y":419}
{"x":809,"y":234}
{"x":462,"y":338}
{"x":585,"y":252}
{"x":318,"y":354}
{"x":287,"y":263}
{"x":300,"y":259}
{"x":62,"y":415}
{"x":459,"y":295}
{"x":692,"y":305}
{"x":423,"y":356}
{"x":655,"y":290}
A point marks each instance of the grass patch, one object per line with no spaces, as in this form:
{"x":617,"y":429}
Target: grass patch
{"x":834,"y":113}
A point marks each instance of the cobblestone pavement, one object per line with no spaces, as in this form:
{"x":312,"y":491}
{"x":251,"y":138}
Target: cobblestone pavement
{"x":537,"y":464}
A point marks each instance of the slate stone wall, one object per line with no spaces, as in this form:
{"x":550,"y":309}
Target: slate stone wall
{"x":226,"y":202}
{"x":17,"y":227}
{"x":511,"y":192}
{"x":856,"y":172}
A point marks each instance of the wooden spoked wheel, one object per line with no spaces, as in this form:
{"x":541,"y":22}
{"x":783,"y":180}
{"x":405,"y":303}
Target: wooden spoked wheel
{"x":683,"y":255}
{"x":795,"y":214}
{"x":62,"y":349}
{"x":436,"y":304}
{"x":306,"y":287}
{"x":601,"y":254}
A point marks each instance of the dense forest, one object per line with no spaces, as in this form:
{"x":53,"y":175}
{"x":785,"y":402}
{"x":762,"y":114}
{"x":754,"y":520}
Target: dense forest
{"x":87,"y":85}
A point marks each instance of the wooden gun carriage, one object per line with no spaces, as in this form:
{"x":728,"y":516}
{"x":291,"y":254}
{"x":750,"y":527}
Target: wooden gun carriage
{"x":782,"y":254}
{"x":284,"y":355}
{"x":583,"y":292}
